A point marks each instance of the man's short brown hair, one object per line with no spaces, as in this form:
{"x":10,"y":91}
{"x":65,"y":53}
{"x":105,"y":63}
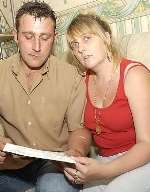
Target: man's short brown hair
{"x":37,"y":9}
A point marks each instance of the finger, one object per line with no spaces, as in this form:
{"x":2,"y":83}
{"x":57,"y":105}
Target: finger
{"x":70,"y":171}
{"x":78,"y":178}
{"x":70,"y":177}
{"x":5,"y":140}
{"x":82,"y":169}
{"x":2,"y":157}
{"x":81,"y":160}
{"x":75,"y":177}
{"x":77,"y":174}
{"x":2,"y":145}
{"x":3,"y":154}
{"x":79,"y":181}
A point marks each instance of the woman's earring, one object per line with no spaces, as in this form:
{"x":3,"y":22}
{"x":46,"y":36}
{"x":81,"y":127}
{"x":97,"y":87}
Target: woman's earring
{"x":109,"y":57}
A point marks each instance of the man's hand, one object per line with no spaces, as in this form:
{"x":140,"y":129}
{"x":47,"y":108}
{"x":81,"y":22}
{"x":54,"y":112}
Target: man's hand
{"x":74,"y":152}
{"x":79,"y":142}
{"x":3,"y":141}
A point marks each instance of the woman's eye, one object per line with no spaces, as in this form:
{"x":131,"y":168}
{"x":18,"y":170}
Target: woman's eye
{"x":86,"y":38}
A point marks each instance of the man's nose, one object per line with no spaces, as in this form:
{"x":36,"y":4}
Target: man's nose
{"x":36,"y":46}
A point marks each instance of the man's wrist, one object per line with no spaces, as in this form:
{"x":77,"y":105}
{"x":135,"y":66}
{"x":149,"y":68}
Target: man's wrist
{"x":75,"y":152}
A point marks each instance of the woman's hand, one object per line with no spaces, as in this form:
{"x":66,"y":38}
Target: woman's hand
{"x":87,"y":169}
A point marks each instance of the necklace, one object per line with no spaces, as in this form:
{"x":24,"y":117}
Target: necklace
{"x":97,"y":115}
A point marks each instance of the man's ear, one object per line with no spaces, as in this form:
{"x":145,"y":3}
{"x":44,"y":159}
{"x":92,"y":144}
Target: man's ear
{"x":15,"y":34}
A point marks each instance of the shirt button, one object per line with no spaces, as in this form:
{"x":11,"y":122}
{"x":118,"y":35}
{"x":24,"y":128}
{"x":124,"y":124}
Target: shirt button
{"x":29,"y":102}
{"x":29,"y":123}
{"x":34,"y":144}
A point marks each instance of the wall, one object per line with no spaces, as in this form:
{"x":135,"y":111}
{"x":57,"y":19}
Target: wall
{"x":10,"y":6}
{"x":124,"y":16}
{"x":58,"y":5}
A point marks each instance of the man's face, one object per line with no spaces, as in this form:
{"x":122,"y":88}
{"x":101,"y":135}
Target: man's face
{"x":35,"y":39}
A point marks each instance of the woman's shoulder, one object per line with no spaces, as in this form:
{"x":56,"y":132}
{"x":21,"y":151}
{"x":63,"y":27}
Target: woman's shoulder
{"x":132,"y":66}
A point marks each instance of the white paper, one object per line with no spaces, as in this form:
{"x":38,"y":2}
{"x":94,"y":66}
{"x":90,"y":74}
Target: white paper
{"x":30,"y":152}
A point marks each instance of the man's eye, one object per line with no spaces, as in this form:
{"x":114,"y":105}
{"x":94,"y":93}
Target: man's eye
{"x":28,"y":36}
{"x":45,"y":38}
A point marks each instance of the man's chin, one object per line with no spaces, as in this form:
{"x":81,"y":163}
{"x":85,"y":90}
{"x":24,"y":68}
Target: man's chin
{"x":35,"y":63}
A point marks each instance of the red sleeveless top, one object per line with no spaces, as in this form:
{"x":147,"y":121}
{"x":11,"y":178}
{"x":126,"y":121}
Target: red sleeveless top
{"x":116,"y":121}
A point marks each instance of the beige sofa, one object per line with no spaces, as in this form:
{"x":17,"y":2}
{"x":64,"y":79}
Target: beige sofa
{"x":137,"y":47}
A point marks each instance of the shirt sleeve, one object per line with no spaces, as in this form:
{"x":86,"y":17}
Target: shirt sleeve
{"x":75,"y":111}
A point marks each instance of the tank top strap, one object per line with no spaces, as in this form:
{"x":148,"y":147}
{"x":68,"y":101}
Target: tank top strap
{"x":125,"y":63}
{"x":123,"y":69}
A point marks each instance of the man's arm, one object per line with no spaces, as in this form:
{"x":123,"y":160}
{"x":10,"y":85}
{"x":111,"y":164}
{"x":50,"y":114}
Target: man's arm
{"x":79,"y":142}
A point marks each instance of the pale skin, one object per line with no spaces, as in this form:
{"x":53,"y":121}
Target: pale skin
{"x":137,"y":90}
{"x":3,"y":141}
{"x":35,"y":39}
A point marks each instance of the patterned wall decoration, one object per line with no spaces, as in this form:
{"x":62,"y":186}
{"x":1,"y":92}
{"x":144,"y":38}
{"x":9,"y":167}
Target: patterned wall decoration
{"x":124,"y":16}
{"x":7,"y":45}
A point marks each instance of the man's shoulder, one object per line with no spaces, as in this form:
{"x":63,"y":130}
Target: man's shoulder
{"x":63,"y":66}
{"x":64,"y":69}
{"x":9,"y":61}
{"x":61,"y":63}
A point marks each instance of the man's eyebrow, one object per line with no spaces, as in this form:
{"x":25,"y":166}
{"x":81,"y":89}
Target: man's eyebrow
{"x":31,"y":32}
{"x":27,"y":32}
{"x":48,"y":33}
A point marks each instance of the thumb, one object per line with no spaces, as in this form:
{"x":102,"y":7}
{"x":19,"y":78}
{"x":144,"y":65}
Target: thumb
{"x":82,"y":160}
{"x":3,"y":141}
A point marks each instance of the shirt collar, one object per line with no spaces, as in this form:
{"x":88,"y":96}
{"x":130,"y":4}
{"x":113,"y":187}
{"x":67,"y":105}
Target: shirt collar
{"x":16,"y":66}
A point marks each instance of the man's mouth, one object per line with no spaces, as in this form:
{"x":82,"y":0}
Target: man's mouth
{"x":34,"y":56}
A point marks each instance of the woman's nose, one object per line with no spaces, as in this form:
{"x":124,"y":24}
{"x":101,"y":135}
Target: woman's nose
{"x":81,"y":47}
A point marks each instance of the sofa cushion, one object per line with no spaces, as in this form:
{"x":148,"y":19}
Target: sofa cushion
{"x":137,"y":47}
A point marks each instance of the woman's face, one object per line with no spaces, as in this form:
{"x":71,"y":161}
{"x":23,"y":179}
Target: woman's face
{"x":89,"y":49}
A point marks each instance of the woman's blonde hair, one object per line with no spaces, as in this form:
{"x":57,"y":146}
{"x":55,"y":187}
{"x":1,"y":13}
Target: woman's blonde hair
{"x":89,"y":23}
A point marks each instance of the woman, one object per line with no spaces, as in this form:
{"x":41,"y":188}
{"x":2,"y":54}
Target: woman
{"x":117,"y":111}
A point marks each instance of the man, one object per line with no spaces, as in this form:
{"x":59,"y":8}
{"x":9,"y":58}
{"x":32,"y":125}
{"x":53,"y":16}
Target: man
{"x":41,"y":105}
